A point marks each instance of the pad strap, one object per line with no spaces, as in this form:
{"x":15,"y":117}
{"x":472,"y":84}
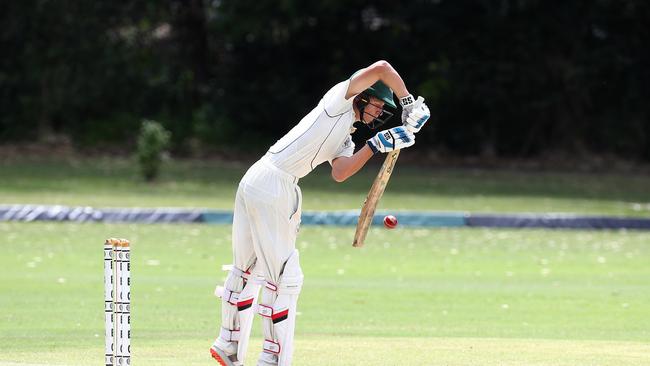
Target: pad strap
{"x":292,"y":288}
{"x":228,"y":296}
{"x":236,"y":271}
{"x":271,"y":347}
{"x":265,"y":310}
{"x":229,"y":335}
{"x":268,"y":312}
{"x":271,"y":286}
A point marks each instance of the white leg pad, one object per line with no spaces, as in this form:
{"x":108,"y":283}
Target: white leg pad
{"x":246,"y":307}
{"x":278,"y":310}
{"x":230,"y":329}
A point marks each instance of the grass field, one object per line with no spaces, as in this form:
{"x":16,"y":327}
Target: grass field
{"x":410,"y":297}
{"x":114,"y":183}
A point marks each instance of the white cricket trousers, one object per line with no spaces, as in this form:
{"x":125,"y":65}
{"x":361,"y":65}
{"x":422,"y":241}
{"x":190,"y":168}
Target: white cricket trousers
{"x":265,"y":225}
{"x":266,"y":219}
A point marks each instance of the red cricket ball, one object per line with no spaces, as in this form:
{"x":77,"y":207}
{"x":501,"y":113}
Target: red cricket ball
{"x":390,"y":221}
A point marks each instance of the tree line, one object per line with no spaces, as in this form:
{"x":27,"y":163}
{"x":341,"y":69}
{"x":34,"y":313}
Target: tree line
{"x":503,"y":78}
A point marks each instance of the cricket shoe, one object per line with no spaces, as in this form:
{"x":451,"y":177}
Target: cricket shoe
{"x":224,"y":360}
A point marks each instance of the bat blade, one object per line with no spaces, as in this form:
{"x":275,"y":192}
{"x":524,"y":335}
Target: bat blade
{"x":375,"y":193}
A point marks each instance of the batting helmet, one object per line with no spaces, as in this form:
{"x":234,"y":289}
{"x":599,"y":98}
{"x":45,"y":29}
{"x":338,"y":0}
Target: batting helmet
{"x":382,"y":92}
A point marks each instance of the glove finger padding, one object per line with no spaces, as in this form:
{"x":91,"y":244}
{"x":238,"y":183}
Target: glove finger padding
{"x":416,"y":115}
{"x":391,"y":139}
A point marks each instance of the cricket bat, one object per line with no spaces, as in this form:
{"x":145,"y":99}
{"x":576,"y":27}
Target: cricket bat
{"x":370,"y":204}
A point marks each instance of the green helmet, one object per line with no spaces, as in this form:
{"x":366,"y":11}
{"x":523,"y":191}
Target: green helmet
{"x":381,"y":91}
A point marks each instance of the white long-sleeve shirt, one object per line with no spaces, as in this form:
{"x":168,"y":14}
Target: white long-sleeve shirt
{"x":322,"y":135}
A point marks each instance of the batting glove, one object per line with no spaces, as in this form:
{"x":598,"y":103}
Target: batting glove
{"x":392,"y":139}
{"x":414,"y":113}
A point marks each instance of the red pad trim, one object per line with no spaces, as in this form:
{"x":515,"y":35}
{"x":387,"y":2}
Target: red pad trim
{"x":243,"y":305}
{"x":281,"y":314}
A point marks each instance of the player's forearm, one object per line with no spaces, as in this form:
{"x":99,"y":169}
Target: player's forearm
{"x":345,"y":167}
{"x":380,"y":70}
{"x":394,"y":81}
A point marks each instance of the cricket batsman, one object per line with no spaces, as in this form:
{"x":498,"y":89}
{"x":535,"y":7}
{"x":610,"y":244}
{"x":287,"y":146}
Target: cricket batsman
{"x":268,"y":206}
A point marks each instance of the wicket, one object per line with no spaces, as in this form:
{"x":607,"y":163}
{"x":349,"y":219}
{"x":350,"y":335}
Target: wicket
{"x":117,"y":301}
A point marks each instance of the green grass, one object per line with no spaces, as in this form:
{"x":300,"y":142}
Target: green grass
{"x":410,"y":297}
{"x":114,"y":183}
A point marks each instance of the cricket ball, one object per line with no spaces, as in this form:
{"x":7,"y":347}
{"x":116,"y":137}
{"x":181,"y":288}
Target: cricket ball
{"x":390,"y":221}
